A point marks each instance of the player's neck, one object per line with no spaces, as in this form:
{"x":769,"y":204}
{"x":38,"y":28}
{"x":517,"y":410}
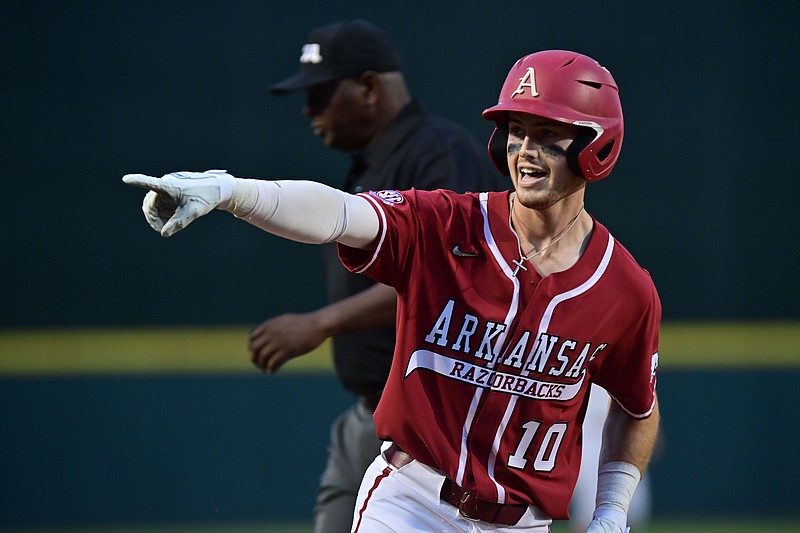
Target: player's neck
{"x":540,"y":225}
{"x":551,"y":239}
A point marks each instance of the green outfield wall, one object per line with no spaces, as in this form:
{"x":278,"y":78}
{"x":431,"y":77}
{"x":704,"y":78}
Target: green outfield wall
{"x":140,"y":426}
{"x":162,"y":449}
{"x":154,"y":449}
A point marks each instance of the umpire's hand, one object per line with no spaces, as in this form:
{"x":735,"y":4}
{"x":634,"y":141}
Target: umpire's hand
{"x":284,"y":337}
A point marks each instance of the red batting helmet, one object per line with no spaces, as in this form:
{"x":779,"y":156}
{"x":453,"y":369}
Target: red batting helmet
{"x":567,"y":87}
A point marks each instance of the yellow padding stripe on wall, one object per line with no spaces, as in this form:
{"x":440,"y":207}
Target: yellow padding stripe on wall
{"x":224,"y":349}
{"x":131,"y":351}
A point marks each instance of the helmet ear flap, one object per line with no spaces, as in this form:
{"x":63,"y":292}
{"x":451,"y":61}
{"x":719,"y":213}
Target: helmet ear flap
{"x":590,"y":160}
{"x":574,"y":150}
{"x":498,"y":148}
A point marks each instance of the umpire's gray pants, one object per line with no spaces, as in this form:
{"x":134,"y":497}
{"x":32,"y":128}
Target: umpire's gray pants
{"x":353,"y":446}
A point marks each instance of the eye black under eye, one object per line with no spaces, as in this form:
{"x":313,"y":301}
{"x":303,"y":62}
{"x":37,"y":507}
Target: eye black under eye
{"x":554,"y":150}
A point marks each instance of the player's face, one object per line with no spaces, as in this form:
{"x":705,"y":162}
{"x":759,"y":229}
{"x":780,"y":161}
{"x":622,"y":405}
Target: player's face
{"x":338,"y":113}
{"x":537,"y":159}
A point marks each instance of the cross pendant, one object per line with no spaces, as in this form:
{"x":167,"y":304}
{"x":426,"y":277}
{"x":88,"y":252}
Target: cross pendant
{"x":519,"y":264}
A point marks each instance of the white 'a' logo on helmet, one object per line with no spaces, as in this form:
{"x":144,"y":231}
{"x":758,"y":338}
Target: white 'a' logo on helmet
{"x":529,"y":81}
{"x":311,"y":54}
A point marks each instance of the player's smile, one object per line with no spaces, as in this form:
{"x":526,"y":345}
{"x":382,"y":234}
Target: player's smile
{"x":530,"y":175}
{"x":530,"y":170}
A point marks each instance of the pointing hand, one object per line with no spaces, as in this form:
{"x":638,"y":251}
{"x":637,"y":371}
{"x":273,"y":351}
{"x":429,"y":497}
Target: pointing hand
{"x":175,"y":200}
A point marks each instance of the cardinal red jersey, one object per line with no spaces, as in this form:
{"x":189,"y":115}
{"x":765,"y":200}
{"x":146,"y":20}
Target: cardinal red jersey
{"x":490,"y":378}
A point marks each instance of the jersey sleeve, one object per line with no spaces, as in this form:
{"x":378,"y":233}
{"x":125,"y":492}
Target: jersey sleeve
{"x":411,"y":225}
{"x":630,"y":375}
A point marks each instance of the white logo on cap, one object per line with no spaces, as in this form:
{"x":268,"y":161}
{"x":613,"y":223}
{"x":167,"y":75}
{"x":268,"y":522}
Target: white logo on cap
{"x":310,"y":54}
{"x":529,"y":81}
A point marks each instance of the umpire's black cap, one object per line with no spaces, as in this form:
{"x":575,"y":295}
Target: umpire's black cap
{"x":340,"y":50}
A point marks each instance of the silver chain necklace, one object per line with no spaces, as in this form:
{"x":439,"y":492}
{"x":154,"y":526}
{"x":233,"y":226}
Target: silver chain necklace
{"x":522,"y":257}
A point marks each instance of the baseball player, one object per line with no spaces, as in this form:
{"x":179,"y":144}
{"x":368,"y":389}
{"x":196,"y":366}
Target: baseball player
{"x":510,"y":304}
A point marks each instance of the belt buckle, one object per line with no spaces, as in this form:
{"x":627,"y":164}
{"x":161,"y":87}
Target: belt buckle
{"x":464,"y":498}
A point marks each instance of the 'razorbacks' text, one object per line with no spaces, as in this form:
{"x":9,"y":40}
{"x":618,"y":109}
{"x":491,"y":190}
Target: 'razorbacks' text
{"x":543,"y":355}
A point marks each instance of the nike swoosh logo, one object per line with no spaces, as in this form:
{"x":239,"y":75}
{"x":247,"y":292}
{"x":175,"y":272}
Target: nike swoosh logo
{"x":458,"y":252}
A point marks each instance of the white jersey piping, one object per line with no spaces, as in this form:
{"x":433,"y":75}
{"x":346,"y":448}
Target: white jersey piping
{"x":543,"y":325}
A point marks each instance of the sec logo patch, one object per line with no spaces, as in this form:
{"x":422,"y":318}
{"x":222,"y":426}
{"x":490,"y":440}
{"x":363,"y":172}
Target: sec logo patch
{"x":388,"y":197}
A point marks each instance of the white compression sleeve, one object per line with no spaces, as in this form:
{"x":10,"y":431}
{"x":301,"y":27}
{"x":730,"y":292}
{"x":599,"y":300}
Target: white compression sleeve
{"x":305,"y":211}
{"x":616,"y":483}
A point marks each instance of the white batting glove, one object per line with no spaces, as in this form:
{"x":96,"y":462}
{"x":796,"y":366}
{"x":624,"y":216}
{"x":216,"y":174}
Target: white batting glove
{"x":175,"y":200}
{"x":604,"y":525}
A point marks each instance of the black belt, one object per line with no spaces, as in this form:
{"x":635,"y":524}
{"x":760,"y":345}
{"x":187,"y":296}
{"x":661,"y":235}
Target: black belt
{"x":473,"y":508}
{"x":468,"y":505}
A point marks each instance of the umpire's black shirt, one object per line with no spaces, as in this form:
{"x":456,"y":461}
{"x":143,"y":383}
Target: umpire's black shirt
{"x":417,"y":150}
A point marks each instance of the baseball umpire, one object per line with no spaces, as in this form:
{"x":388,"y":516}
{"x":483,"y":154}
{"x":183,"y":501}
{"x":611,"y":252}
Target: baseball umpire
{"x":510,"y":304}
{"x":358,"y":102}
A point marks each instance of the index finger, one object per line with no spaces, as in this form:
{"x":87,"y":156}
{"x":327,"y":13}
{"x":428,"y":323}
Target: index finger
{"x":144,"y":181}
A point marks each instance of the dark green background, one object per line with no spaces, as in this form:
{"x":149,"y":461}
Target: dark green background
{"x":165,"y":449}
{"x":703,"y":194}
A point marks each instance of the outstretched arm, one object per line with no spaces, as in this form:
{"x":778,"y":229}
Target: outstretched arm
{"x":302,"y":211}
